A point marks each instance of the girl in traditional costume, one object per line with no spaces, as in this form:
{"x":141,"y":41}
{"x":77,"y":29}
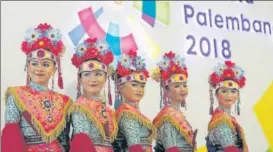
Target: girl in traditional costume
{"x":94,"y":123}
{"x":175,"y":134}
{"x":224,"y":132}
{"x":136,"y":132}
{"x":36,"y":117}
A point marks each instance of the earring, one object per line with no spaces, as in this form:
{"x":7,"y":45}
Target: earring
{"x":184,"y":104}
{"x":118,"y":99}
{"x":137,"y":105}
{"x":122,"y":99}
{"x":238,"y":107}
{"x":25,"y":68}
{"x":78,"y":89}
{"x":161,"y":95}
{"x":109,"y":92}
{"x":103,"y":111}
{"x":52,"y":82}
{"x":28,"y":80}
{"x":166,"y":99}
{"x":211,"y":100}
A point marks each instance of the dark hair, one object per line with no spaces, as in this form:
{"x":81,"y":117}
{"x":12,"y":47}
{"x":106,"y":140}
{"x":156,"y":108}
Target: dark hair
{"x":28,"y":61}
{"x":115,"y":76}
{"x":216,"y":91}
{"x":167,"y":87}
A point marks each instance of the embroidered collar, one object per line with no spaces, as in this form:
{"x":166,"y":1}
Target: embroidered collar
{"x":94,"y":98}
{"x":226,"y":110}
{"x":37,"y":87}
{"x":176,"y":107}
{"x":133,"y":104}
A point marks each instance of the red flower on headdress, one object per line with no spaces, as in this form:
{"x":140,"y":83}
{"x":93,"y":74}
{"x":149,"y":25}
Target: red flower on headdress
{"x":58,"y":46}
{"x":173,"y":66}
{"x":146,"y":73}
{"x":26,"y":47}
{"x":229,"y":64}
{"x":185,"y":70}
{"x":165,"y":75}
{"x":241,"y":82}
{"x":170,"y":55}
{"x":107,"y":58}
{"x":91,"y":41}
{"x":132,"y":53}
{"x":214,"y":79}
{"x":227,"y":74}
{"x":76,"y":60}
{"x":43,"y":42}
{"x":44,"y":27}
{"x":92,"y":53}
{"x":123,"y":71}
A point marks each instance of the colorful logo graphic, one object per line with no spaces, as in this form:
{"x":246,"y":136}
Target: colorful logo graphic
{"x":149,"y":46}
{"x":154,"y":11}
{"x":247,"y":1}
{"x":137,"y":39}
{"x":89,"y":25}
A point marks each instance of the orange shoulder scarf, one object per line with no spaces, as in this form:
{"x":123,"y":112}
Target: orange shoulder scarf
{"x":92,"y":110}
{"x":48,"y":109}
{"x":219,"y":117}
{"x":176,"y":119}
{"x":133,"y":113}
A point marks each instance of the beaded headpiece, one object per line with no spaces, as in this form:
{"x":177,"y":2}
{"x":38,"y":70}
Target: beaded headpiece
{"x":93,"y":55}
{"x":130,"y":67}
{"x":226,"y":75}
{"x":44,"y":42}
{"x":171,"y":69}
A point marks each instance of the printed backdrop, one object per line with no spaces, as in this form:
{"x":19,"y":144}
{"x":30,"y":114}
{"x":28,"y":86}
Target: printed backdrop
{"x":203,"y":32}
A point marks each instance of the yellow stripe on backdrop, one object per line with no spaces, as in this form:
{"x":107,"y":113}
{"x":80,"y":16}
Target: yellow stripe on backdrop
{"x":264,"y":112}
{"x":202,"y":149}
{"x":269,"y":150}
{"x":151,"y":48}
